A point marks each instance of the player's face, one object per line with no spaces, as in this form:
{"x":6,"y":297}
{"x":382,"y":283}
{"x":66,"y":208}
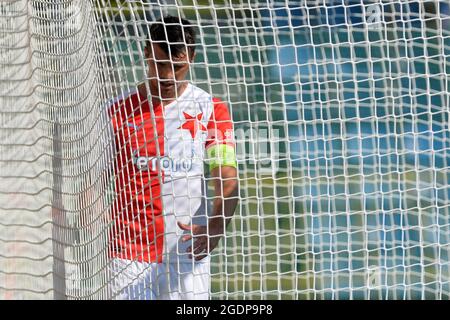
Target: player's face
{"x":166,"y":74}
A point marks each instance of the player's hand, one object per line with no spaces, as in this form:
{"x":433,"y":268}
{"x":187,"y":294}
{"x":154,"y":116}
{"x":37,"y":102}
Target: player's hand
{"x":203,"y":243}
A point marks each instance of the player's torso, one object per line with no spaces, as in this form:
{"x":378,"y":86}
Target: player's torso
{"x":177,"y":150}
{"x":161,"y":153}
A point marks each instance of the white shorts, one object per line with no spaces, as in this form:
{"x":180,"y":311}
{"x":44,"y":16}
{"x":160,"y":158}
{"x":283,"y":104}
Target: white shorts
{"x":133,"y":280}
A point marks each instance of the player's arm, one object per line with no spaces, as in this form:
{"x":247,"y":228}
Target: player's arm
{"x":223,"y":170}
{"x":226,"y":198}
{"x":206,"y":238}
{"x":224,"y":176}
{"x":225,"y":201}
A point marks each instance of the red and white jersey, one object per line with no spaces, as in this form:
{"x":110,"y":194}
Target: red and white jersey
{"x":159,"y":171}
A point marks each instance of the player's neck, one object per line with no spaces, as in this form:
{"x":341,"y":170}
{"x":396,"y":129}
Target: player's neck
{"x":156,"y":99}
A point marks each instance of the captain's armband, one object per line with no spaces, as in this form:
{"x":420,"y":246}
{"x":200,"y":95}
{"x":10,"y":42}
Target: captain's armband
{"x":221,"y":155}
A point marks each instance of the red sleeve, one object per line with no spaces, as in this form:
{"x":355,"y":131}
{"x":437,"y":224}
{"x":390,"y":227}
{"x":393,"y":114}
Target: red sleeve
{"x":220,"y":126}
{"x":121,"y":109}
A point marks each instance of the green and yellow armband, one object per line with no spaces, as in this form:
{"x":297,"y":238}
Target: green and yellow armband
{"x":221,"y":155}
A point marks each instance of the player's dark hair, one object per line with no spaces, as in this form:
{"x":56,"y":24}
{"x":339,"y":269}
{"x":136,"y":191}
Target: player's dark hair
{"x":174,"y":33}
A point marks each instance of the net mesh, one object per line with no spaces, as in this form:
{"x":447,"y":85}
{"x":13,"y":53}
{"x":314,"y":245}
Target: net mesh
{"x":340,"y":111}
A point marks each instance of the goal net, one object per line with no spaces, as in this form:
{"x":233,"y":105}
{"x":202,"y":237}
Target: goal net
{"x":340,"y":112}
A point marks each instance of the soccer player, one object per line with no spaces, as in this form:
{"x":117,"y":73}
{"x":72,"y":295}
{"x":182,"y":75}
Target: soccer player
{"x":165,"y":130}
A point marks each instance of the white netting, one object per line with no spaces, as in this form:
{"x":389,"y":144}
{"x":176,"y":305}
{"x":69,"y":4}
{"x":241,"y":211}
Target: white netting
{"x":53,"y":136}
{"x":340,"y":111}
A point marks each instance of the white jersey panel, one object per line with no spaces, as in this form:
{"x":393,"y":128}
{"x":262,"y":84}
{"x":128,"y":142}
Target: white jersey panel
{"x":183,"y":190}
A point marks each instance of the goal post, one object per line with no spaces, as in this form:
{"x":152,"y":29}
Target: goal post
{"x":54,"y":133}
{"x":340,"y":112}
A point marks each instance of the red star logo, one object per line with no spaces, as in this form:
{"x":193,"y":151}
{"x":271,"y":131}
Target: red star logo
{"x":193,"y":123}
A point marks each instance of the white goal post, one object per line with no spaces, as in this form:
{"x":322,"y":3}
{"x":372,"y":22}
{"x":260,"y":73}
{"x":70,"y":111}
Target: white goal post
{"x":340,"y":112}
